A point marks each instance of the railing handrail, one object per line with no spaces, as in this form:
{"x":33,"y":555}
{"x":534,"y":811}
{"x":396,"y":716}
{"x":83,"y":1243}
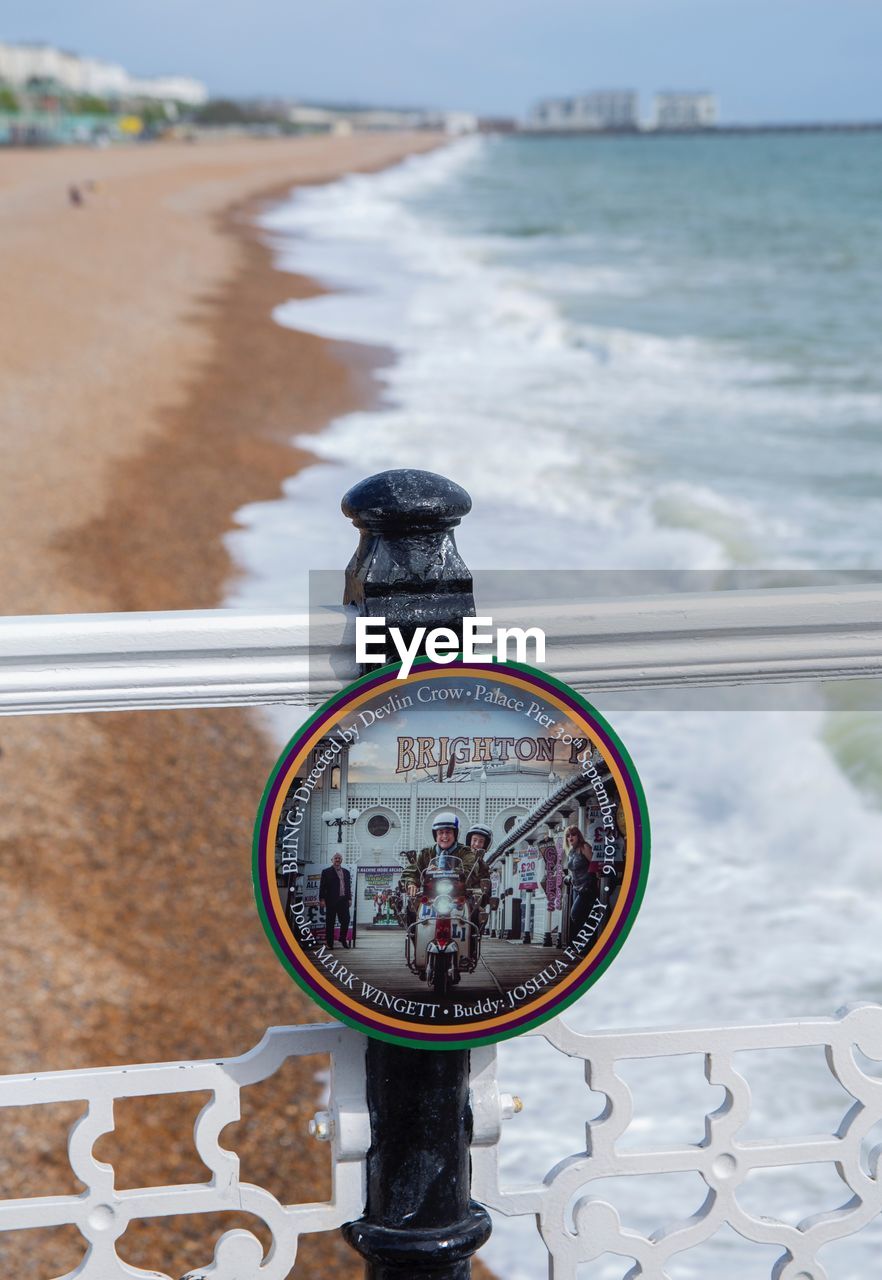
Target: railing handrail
{"x":231,"y":657}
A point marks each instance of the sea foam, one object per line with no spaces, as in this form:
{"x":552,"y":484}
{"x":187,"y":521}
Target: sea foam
{"x":585,"y":445}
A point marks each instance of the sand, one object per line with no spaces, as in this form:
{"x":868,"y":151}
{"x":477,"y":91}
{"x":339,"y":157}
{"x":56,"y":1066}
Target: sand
{"x":146,"y":395}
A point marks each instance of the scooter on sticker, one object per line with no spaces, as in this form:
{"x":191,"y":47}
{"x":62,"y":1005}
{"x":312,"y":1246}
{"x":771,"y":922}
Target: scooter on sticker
{"x":442,"y":942}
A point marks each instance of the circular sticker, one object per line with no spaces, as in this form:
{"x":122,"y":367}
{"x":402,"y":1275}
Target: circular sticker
{"x":450,"y":859}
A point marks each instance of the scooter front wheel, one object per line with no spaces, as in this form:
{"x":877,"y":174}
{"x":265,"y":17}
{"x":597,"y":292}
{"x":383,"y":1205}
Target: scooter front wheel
{"x":441,"y":976}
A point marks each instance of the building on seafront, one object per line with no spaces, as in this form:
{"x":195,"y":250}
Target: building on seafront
{"x":601,"y":111}
{"x":679,"y":110}
{"x":313,"y":118}
{"x":22,"y":65}
{"x":618,"y":111}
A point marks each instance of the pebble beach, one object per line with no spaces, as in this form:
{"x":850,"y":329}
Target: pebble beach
{"x":146,"y":396}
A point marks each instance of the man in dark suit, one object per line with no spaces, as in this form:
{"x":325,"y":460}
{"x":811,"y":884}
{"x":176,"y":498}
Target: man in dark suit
{"x":335,"y":895}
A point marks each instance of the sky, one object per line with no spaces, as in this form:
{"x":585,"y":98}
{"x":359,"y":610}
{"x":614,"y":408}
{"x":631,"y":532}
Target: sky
{"x":780,"y":60}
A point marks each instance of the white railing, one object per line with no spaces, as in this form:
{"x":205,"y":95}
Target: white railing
{"x":219,"y":658}
{"x":104,"y":662}
{"x":102,"y":1214}
{"x":576,"y":1226}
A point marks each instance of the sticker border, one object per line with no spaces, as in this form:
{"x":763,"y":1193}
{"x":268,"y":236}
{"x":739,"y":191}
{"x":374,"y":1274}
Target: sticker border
{"x":518,"y":1021}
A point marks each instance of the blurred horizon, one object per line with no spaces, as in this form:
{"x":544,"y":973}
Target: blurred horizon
{"x":788,"y":61}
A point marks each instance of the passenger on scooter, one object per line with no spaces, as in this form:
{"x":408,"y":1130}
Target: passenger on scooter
{"x":478,"y":839}
{"x":445,"y":829}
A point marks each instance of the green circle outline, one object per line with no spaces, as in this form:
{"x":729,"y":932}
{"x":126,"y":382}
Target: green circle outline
{"x":540,"y":1018}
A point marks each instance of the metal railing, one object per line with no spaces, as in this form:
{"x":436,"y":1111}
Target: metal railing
{"x":578,"y":1228}
{"x":229,"y":657}
{"x":102,"y":1213}
{"x":224,"y":658}
{"x":574,"y":1227}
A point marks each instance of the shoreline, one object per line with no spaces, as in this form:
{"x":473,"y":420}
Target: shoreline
{"x":128,"y":916}
{"x":262,"y":386}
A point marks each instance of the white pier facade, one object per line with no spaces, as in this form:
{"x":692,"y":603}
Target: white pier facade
{"x":395,"y":819}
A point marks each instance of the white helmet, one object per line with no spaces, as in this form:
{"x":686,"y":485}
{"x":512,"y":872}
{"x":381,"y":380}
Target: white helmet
{"x":446,"y":819}
{"x":478,"y":829}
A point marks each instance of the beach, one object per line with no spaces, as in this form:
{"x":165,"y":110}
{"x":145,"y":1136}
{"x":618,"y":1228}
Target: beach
{"x":540,"y":321}
{"x":147,"y":395}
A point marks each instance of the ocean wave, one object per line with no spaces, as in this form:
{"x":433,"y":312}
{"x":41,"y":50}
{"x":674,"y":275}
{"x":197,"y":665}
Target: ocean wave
{"x":590,"y":444}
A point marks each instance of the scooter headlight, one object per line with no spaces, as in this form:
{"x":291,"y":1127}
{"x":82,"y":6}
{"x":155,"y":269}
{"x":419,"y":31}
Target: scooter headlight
{"x":444,"y":887}
{"x":443,"y":904}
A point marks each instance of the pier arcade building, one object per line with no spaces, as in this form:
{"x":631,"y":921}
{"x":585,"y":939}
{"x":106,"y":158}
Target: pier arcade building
{"x":376,"y":824}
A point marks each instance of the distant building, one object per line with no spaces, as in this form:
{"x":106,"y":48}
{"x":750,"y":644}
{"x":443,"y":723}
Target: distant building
{"x":609,"y":110}
{"x":343,"y":120}
{"x":183,"y":89}
{"x":685,"y":111}
{"x":457,"y":123}
{"x":22,"y":65}
{"x":318,"y":120}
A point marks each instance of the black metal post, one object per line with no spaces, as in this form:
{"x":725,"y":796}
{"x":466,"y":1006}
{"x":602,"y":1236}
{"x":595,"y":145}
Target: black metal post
{"x":419,"y":1218}
{"x":407,"y":568}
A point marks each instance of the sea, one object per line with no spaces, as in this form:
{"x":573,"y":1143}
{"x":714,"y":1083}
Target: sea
{"x":656,"y":354}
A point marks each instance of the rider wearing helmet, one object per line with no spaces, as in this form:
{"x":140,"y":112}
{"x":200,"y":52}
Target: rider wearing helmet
{"x":478,"y":840}
{"x":445,"y":829}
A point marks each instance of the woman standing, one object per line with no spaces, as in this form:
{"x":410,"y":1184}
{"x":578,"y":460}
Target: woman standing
{"x":585,"y":877}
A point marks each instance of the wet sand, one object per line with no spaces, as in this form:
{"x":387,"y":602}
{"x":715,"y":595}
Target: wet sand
{"x":146,"y":396}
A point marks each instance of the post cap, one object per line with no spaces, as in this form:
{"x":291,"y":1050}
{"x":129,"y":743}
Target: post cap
{"x":405,"y":499}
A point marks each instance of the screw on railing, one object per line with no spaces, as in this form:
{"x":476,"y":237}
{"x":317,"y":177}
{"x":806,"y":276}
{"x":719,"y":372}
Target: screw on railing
{"x":419,"y":1218}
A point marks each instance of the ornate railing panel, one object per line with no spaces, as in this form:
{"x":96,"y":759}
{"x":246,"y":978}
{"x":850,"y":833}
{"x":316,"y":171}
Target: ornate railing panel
{"x":578,"y":1228}
{"x":102,"y":1213}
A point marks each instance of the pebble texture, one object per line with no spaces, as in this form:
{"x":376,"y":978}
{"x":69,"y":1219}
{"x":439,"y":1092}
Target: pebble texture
{"x":146,"y":396}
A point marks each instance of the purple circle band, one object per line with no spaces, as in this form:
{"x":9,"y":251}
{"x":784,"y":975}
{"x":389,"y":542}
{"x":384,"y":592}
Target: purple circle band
{"x":516,"y":1021}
